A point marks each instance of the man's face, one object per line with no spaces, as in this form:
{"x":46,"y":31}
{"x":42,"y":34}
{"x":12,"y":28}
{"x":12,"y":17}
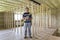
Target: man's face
{"x":27,"y":10}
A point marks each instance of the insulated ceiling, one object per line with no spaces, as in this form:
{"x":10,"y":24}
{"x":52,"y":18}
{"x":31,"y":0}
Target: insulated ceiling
{"x":6,"y":5}
{"x":51,"y":3}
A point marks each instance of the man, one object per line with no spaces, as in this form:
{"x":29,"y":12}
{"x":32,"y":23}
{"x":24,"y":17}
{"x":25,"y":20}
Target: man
{"x":28,"y":21}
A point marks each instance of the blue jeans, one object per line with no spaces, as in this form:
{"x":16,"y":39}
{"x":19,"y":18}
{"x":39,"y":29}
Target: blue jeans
{"x":27,"y":25}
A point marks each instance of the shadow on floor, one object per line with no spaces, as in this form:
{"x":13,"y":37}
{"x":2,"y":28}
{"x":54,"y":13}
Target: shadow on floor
{"x":56,"y":33}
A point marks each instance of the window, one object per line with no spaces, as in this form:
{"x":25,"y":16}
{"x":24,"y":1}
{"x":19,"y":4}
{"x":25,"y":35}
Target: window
{"x":18,"y":16}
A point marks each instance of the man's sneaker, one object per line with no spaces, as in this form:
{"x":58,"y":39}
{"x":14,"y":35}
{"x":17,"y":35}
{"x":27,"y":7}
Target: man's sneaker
{"x":25,"y":37}
{"x":30,"y":36}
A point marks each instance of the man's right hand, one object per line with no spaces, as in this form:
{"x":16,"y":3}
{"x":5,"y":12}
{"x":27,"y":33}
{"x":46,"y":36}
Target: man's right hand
{"x":24,"y":18}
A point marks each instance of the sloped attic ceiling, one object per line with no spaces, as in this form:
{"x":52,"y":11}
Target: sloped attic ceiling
{"x":6,"y":5}
{"x":51,"y":3}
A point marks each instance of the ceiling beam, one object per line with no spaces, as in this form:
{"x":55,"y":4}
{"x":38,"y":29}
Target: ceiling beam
{"x":58,"y":3}
{"x":19,"y":1}
{"x":45,"y":2}
{"x":36,"y":2}
{"x":51,"y":3}
{"x":14,"y":3}
{"x":8,"y":3}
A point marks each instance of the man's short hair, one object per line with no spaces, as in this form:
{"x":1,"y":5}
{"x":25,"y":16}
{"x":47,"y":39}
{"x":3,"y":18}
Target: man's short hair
{"x":26,"y":8}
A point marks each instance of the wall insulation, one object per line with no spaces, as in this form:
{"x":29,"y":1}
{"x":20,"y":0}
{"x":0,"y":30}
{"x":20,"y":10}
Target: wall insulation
{"x":1,"y":19}
{"x":43,"y":16}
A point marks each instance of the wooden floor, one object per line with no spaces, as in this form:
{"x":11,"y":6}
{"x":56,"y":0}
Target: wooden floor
{"x":18,"y":34}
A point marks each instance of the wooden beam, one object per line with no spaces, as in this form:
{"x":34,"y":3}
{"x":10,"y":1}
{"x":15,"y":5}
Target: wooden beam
{"x":36,"y":2}
{"x":8,"y":3}
{"x":44,"y":2}
{"x":51,"y":3}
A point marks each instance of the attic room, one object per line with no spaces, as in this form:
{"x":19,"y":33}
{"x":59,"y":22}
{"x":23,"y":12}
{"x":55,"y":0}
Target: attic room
{"x":45,"y":19}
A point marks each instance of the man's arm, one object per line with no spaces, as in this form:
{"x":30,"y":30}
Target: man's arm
{"x":30,"y":17}
{"x":24,"y":18}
